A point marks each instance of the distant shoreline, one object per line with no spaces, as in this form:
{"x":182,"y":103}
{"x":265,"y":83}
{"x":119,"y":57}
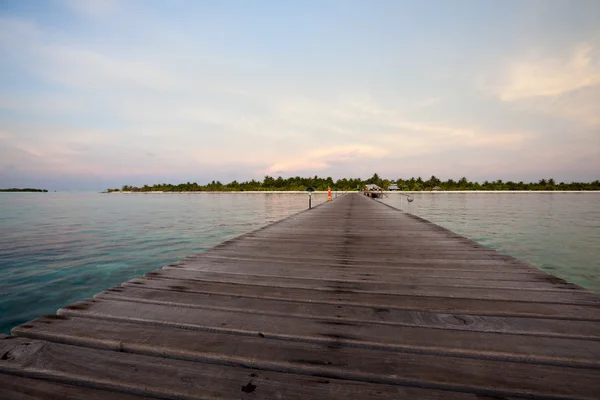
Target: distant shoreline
{"x":342,"y":192}
{"x":299,"y":184}
{"x":25,"y":190}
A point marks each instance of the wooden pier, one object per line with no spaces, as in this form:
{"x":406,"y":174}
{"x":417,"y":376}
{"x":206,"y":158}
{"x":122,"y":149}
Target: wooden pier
{"x":350,"y":300}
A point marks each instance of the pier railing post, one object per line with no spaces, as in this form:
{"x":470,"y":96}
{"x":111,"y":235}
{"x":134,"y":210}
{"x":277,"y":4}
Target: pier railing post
{"x":310,"y":189}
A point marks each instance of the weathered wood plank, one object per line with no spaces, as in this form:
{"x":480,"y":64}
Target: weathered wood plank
{"x":360,"y":257}
{"x":222,"y":347}
{"x":253,"y":323}
{"x":13,"y":387}
{"x":178,"y":379}
{"x":377,"y":245}
{"x":358,"y":283}
{"x":372,"y":310}
{"x":421,"y":262}
{"x":383,"y":247}
{"x":346,"y":292}
{"x":391,"y":274}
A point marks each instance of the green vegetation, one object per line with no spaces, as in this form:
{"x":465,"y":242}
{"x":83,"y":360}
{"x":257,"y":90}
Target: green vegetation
{"x":413,"y":184}
{"x":24,"y":190}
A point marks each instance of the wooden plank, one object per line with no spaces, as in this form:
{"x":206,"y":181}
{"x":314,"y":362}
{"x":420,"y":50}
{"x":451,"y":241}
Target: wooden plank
{"x":441,"y":263}
{"x":376,"y":244}
{"x":382,"y":245}
{"x":13,"y":387}
{"x":178,"y":379}
{"x":304,"y":233}
{"x":292,"y":326}
{"x":315,"y":270}
{"x":160,"y":291}
{"x":236,"y":349}
{"x":362,"y":283}
{"x":334,"y":259}
{"x":346,"y":292}
{"x":359,"y":257}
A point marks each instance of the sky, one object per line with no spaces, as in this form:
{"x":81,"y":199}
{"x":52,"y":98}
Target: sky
{"x":102,"y":93}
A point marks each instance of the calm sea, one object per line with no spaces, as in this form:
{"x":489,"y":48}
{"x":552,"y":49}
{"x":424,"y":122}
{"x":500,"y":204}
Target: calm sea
{"x":57,"y":248}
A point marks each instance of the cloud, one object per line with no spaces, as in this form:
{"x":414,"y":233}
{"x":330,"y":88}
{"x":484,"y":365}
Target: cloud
{"x":88,"y":69}
{"x":51,"y":56}
{"x":551,"y":76}
{"x":48,"y":104}
{"x":377,"y":133}
{"x":136,"y":95}
{"x":581,"y":105}
{"x":412,"y":135}
{"x":561,"y":86}
{"x":322,"y":158}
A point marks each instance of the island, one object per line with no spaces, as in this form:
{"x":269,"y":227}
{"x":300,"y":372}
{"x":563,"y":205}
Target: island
{"x":24,"y":190}
{"x":352,"y":184}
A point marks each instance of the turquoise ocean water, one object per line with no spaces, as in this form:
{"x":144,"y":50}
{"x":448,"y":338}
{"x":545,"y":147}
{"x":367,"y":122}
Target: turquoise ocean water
{"x":57,"y":248}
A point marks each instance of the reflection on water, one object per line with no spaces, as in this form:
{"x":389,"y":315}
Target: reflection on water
{"x":557,"y":232}
{"x":58,"y":248}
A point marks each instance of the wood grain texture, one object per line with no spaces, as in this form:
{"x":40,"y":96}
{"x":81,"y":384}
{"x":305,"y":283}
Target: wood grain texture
{"x":14,"y":387}
{"x":285,"y":325}
{"x":352,"y":291}
{"x":395,"y":273}
{"x":160,"y":340}
{"x":369,"y":308}
{"x":177,"y":379}
{"x":359,"y":282}
{"x":352,"y":299}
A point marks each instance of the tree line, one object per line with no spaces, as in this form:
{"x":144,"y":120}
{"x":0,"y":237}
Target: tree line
{"x":348,"y":184}
{"x":24,"y":190}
